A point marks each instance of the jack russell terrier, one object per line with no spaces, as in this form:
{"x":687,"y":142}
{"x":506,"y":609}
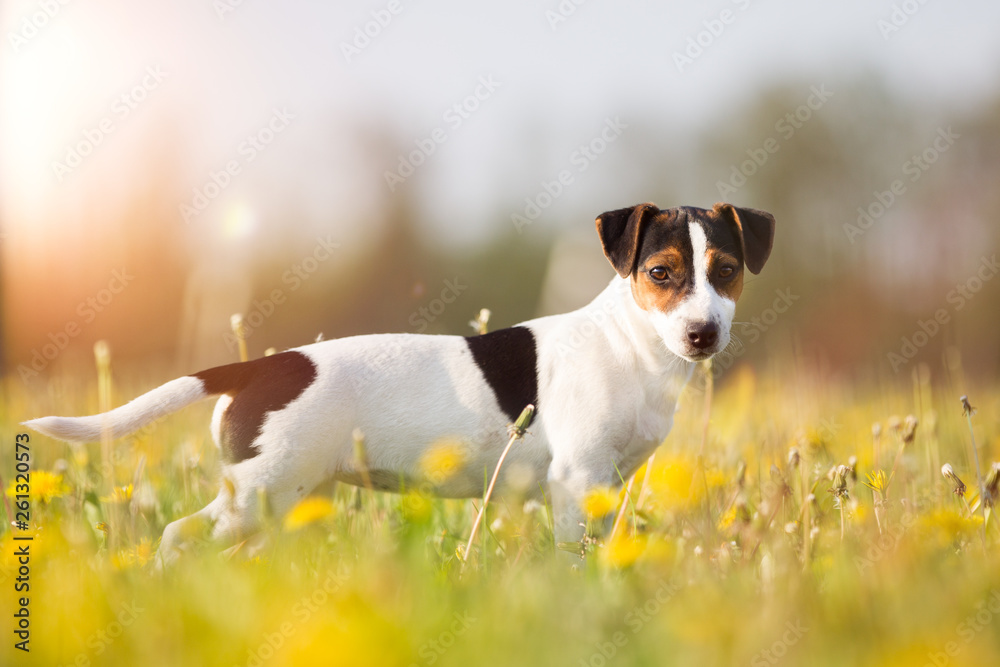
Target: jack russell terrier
{"x":605,"y":380}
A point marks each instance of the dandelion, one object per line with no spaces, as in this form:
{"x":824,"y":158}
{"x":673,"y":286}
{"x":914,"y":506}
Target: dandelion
{"x":136,"y":556}
{"x":947,"y":527}
{"x":839,"y":491}
{"x":482,"y":321}
{"x":729,"y":517}
{"x":45,"y":486}
{"x":416,"y":507}
{"x":623,"y":551}
{"x":599,"y":502}
{"x":672,"y":484}
{"x":968,"y":411}
{"x":118,"y":495}
{"x":442,"y":461}
{"x":909,"y":430}
{"x":516,"y":432}
{"x":307,"y":512}
{"x":813,"y":440}
{"x":878,"y":481}
{"x":793,"y":457}
{"x":80,"y":456}
{"x":839,"y":488}
{"x":949,"y":474}
{"x":991,"y":488}
{"x":858,"y":511}
{"x":958,"y":485}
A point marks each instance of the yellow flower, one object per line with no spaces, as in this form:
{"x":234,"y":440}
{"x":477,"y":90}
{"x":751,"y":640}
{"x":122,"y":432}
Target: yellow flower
{"x":364,"y":637}
{"x":878,"y":481}
{"x":136,"y":556}
{"x":416,"y":507}
{"x":945,"y":526}
{"x":600,"y":502}
{"x":119,"y":494}
{"x":622,"y":551}
{"x":308,"y":511}
{"x":716,"y":479}
{"x":43,"y":487}
{"x":80,"y":456}
{"x":913,"y":652}
{"x":729,"y":518}
{"x":442,"y":460}
{"x":675,"y":484}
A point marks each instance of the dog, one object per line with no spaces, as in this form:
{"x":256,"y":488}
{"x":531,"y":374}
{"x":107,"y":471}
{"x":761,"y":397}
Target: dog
{"x":604,"y":379}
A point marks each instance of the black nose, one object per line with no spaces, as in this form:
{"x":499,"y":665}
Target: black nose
{"x":703,"y":335}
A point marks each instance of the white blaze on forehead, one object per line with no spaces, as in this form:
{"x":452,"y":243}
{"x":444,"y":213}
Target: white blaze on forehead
{"x":703,"y":304}
{"x":699,"y":244}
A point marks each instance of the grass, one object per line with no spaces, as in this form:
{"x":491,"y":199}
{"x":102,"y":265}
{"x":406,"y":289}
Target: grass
{"x":797,"y":538}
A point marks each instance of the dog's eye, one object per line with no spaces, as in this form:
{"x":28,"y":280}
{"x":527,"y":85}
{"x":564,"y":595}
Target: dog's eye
{"x":658,"y":273}
{"x":726,"y":272}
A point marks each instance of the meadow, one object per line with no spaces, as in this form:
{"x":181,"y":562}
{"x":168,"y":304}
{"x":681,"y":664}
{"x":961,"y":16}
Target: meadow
{"x":792,"y":517}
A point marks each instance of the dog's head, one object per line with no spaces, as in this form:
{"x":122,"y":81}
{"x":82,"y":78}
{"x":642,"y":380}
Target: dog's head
{"x":686,"y":267}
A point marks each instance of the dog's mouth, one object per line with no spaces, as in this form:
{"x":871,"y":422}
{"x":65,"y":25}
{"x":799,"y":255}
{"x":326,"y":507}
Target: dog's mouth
{"x":678,"y":337}
{"x":695,"y":354}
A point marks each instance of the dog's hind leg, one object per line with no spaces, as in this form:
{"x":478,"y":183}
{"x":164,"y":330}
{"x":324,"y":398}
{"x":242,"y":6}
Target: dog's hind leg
{"x":224,"y":522}
{"x":180,"y":535}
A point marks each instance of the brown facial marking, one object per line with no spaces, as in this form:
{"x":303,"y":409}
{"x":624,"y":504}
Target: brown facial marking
{"x":729,"y":287}
{"x":664,"y":295}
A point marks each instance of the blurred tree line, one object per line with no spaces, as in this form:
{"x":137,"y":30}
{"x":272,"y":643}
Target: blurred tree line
{"x":812,"y":155}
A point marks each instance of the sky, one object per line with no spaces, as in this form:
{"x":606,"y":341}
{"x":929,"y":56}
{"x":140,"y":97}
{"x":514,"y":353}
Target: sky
{"x":559,"y":73}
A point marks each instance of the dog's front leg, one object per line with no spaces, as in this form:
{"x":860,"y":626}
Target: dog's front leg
{"x":568,"y":491}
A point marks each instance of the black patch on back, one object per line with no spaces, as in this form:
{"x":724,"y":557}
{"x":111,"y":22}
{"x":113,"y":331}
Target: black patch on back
{"x":509,"y":363}
{"x":257,"y":387}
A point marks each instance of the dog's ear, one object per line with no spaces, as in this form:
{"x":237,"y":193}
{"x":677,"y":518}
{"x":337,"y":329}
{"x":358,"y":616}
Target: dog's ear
{"x":620,"y":232}
{"x":755,"y":229}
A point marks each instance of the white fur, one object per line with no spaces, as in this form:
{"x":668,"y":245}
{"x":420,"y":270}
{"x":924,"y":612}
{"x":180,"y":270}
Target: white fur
{"x":704,"y":304}
{"x":220,"y":409}
{"x":126,"y":419}
{"x":609,"y":376}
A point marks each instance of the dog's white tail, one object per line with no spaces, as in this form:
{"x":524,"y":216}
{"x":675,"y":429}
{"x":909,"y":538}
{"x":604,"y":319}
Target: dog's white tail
{"x":128,"y":418}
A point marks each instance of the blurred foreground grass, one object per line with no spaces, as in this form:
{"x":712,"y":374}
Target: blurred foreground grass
{"x":734,"y":558}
